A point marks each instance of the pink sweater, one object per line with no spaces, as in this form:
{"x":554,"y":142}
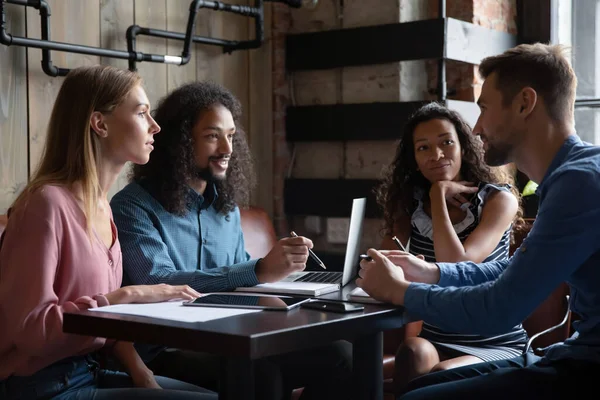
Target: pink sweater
{"x":48,"y":267}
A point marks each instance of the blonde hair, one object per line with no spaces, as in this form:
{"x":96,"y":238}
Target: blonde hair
{"x":72,"y":149}
{"x":545,"y":68}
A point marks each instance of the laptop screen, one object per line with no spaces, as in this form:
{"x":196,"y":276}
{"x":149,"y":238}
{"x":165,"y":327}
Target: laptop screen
{"x":351,"y":261}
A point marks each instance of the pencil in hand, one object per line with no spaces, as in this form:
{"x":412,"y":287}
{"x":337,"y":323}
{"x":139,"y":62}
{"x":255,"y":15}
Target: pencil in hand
{"x":311,"y":253}
{"x":399,"y":244}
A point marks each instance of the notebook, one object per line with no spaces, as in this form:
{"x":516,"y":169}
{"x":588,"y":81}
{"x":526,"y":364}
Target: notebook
{"x":318,"y":283}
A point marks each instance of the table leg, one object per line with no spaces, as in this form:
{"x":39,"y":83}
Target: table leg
{"x":237,"y":379}
{"x":368,"y":366}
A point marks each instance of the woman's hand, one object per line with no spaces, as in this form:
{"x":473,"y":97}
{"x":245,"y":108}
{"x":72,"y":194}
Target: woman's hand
{"x":151,"y":294}
{"x":144,"y":379}
{"x":140,"y":374}
{"x":453,"y":191}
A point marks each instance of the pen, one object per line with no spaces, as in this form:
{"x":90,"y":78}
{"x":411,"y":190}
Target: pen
{"x":311,"y":253}
{"x":399,"y":244}
{"x":365,"y":257}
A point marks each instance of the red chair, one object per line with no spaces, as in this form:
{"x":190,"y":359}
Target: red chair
{"x":258,"y":230}
{"x":3,"y":222}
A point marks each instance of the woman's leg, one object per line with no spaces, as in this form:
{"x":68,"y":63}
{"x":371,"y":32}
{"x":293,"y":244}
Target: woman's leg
{"x":455,"y":362}
{"x":415,"y":357}
{"x":112,"y":385}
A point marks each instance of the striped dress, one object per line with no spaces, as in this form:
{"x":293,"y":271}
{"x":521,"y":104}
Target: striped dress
{"x":487,"y":348}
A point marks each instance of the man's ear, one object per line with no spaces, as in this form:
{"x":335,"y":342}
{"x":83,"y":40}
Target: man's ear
{"x":527,"y":99}
{"x":98,"y":124}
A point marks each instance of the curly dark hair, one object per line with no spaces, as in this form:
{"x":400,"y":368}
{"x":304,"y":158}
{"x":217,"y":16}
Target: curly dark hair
{"x":395,"y":194}
{"x":172,"y":165}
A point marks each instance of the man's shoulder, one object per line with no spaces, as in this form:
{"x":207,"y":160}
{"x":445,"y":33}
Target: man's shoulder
{"x":133,"y":192}
{"x":583,"y":161}
{"x":133,"y":197}
{"x":579,"y":174}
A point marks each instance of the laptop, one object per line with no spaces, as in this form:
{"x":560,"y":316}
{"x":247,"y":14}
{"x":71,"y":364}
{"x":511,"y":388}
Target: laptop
{"x":316,"y":283}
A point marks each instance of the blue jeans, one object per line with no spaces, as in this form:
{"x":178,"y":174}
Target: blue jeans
{"x":79,"y":378}
{"x":523,"y":377}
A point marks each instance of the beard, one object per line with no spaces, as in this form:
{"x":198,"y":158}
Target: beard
{"x":206,"y":174}
{"x":497,"y":154}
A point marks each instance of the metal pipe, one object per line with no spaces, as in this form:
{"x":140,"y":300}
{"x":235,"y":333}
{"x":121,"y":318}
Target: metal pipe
{"x":587,"y":103}
{"x":441,"y":89}
{"x":46,"y":45}
{"x":5,"y":37}
{"x":228,"y":45}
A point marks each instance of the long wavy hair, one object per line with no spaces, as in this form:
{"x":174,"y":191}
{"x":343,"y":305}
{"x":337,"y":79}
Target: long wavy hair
{"x":72,"y":149}
{"x":172,"y":165}
{"x":395,"y":194}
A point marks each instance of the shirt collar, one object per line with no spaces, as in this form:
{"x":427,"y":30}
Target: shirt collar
{"x":570,"y":142}
{"x":199,"y":201}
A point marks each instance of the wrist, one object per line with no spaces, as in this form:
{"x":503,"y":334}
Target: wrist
{"x":437,"y":190}
{"x":433,"y":274}
{"x":399,"y":295}
{"x":258,"y":271}
{"x":142,"y":373}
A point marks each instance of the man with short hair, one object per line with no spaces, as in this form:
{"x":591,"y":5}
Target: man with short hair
{"x":179,"y":221}
{"x":527,"y":117}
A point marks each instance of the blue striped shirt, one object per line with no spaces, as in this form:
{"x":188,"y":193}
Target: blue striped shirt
{"x":203,"y":248}
{"x":563,"y":245}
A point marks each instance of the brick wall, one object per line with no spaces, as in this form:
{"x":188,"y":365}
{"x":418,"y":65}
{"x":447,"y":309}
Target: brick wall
{"x":404,"y":81}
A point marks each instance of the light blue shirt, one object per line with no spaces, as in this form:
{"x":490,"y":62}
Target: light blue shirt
{"x":563,"y":245}
{"x":203,"y":248}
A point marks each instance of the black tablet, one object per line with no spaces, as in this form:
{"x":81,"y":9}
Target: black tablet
{"x":247,"y":301}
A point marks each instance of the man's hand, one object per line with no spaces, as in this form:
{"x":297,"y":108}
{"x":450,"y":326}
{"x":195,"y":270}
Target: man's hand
{"x":287,"y":256}
{"x":415,"y":268}
{"x":453,"y":192}
{"x":381,"y":279}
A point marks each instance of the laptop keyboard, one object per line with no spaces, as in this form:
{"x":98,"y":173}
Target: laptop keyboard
{"x":321,"y":277}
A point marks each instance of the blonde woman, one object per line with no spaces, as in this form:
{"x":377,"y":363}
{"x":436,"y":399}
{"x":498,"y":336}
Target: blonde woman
{"x":60,"y":250}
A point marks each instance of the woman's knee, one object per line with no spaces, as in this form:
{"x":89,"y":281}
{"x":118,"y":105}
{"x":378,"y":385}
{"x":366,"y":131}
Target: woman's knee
{"x":417,"y":350}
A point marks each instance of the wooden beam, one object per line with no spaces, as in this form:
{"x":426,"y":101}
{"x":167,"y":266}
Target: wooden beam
{"x":369,"y":121}
{"x":328,"y":197}
{"x":416,"y":40}
{"x":470,"y":43}
{"x":378,"y":44}
{"x":534,"y":21}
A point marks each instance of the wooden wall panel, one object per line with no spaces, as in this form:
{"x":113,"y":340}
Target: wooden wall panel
{"x":210,"y":60}
{"x":103,"y":23}
{"x":152,"y":13}
{"x":72,"y":21}
{"x":13,"y":112}
{"x":260,"y":114}
{"x":235,"y":65}
{"x":177,"y":13}
{"x":115,"y":17}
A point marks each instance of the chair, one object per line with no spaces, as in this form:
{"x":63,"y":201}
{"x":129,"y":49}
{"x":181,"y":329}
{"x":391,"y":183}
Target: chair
{"x":3,"y":222}
{"x":548,"y":324}
{"x":258,"y":230}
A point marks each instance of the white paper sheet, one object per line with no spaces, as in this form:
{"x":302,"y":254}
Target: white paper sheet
{"x":360,"y":296}
{"x":174,"y":310}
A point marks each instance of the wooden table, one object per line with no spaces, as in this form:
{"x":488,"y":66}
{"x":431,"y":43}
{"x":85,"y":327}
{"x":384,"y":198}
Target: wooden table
{"x":244,"y":338}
